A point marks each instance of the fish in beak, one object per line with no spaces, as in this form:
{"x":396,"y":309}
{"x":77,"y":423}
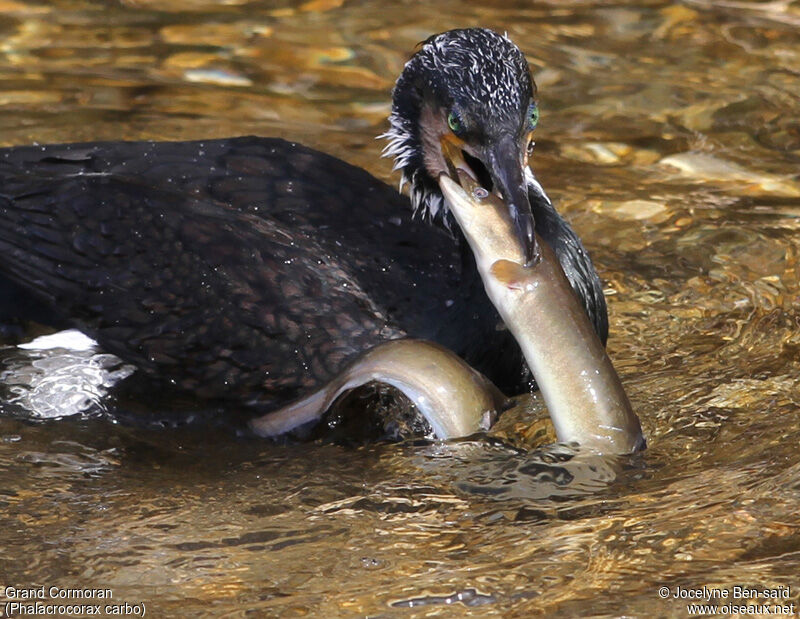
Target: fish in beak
{"x":580,"y":387}
{"x":504,"y":162}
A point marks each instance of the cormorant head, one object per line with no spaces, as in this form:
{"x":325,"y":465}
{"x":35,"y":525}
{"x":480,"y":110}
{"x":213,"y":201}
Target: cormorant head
{"x":466,"y":101}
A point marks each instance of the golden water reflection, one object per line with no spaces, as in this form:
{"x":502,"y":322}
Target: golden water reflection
{"x":669,"y":137}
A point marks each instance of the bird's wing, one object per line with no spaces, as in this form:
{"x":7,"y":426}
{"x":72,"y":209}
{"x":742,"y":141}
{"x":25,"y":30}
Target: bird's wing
{"x":217,"y":301}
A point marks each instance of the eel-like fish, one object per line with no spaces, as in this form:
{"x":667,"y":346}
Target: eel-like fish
{"x":455,"y":399}
{"x":581,"y":389}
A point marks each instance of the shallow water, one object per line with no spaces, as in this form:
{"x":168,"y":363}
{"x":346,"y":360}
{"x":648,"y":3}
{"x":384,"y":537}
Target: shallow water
{"x":669,"y":137}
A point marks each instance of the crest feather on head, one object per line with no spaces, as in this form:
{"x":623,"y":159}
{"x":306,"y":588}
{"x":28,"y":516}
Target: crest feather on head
{"x":475,"y":69}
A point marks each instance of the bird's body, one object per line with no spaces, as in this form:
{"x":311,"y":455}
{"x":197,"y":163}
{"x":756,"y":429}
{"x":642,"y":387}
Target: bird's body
{"x":254,"y":269}
{"x":237,"y":268}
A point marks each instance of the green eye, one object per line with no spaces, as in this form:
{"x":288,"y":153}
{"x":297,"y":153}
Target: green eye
{"x":533,"y":116}
{"x":455,"y":123}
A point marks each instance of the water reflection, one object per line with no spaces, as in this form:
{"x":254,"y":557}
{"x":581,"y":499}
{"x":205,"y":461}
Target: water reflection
{"x":58,"y":375}
{"x":669,"y":137}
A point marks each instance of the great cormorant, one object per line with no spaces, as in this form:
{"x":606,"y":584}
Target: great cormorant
{"x":253,"y":269}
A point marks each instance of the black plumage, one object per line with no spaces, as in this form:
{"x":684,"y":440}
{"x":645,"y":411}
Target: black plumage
{"x":251,"y":269}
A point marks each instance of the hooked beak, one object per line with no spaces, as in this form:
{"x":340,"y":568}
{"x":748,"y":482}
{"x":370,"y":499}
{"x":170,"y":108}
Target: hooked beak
{"x":504,"y":163}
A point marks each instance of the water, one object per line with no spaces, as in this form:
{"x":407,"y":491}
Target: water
{"x":669,"y":136}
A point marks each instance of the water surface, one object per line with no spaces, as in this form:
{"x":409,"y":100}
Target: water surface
{"x":669,"y":137}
